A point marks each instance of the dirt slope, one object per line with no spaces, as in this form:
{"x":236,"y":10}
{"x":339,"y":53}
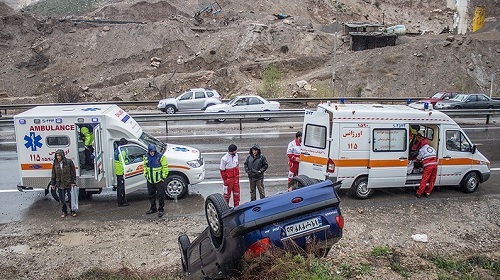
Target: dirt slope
{"x":109,"y":59}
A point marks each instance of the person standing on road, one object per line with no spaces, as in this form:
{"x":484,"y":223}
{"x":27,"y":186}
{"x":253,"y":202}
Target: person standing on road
{"x":293,"y":153}
{"x":427,"y":155}
{"x":230,"y":173}
{"x":120,"y":158}
{"x":255,"y":166}
{"x":63,"y":178}
{"x":156,"y":171}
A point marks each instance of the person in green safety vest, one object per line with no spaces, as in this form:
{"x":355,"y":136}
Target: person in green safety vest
{"x":88,"y":141}
{"x":121,"y":157}
{"x":156,"y":172}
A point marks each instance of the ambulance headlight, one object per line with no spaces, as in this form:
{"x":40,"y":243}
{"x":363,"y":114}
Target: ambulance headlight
{"x":195,"y":163}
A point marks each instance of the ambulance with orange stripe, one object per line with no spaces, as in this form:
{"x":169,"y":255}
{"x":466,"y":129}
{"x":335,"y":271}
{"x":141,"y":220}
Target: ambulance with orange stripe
{"x":42,"y":130}
{"x":366,"y":146}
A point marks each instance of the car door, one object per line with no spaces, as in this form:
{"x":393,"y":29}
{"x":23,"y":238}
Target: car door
{"x":454,"y":158}
{"x":199,"y":100}
{"x":388,"y":162}
{"x":185,"y":101}
{"x":255,"y":105}
{"x":315,"y":148}
{"x":471,"y":102}
{"x":98,"y":153}
{"x":241,"y":105}
{"x":484,"y":102}
{"x":133,"y":167}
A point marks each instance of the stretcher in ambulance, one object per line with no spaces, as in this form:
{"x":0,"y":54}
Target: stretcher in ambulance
{"x":42,"y":130}
{"x":367,"y":146}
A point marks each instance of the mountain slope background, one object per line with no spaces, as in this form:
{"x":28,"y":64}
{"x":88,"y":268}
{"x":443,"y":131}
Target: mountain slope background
{"x":102,"y":49}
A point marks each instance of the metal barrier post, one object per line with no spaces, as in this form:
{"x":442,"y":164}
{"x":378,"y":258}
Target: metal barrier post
{"x":241,"y":127}
{"x":488,"y":119}
{"x":166,"y":127}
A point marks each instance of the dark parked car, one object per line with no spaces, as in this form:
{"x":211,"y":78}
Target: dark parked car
{"x":308,"y":218}
{"x":468,"y":101}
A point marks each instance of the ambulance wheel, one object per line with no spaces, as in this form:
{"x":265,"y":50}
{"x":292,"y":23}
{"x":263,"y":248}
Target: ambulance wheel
{"x":183,"y":247}
{"x":470,"y":182}
{"x":360,"y":188}
{"x":300,"y":181}
{"x":177,"y":186}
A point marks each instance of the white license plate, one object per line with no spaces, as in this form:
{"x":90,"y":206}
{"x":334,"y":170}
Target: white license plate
{"x":303,"y":226}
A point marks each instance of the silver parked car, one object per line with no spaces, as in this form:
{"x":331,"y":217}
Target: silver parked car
{"x":468,"y":101}
{"x":192,"y":99}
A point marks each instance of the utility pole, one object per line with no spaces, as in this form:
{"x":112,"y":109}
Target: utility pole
{"x":335,"y":46}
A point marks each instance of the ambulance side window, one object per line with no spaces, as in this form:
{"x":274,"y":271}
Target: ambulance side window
{"x":135,"y":154}
{"x":315,"y":136}
{"x":57,"y":141}
{"x":456,"y":141}
{"x":389,"y":140}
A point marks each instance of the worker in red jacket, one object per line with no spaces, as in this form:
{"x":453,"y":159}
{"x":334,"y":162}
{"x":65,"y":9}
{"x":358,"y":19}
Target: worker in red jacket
{"x":427,"y":155}
{"x":230,"y":173}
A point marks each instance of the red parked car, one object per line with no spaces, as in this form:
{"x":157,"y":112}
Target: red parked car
{"x":440,"y":95}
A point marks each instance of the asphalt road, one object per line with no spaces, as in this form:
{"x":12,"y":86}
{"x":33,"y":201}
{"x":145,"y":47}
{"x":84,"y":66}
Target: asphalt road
{"x":212,"y":139}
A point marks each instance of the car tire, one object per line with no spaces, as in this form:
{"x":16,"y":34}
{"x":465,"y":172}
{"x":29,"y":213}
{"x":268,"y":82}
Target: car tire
{"x":215,"y":206}
{"x":184,"y":244}
{"x":360,"y":188}
{"x":470,"y":182}
{"x":490,"y":107}
{"x":457,"y":107}
{"x":221,"y":120}
{"x":300,"y":181}
{"x":176,"y":186}
{"x":170,"y":109}
{"x":266,"y":119}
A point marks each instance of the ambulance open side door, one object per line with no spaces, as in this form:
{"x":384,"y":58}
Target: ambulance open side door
{"x":133,"y":167}
{"x":388,"y":162}
{"x":98,"y":153}
{"x":315,"y":144}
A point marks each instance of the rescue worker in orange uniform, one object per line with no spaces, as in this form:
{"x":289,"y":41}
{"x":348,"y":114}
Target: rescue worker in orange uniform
{"x":428,"y":156}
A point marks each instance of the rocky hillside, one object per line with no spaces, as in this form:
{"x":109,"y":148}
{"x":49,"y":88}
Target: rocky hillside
{"x":103,"y":49}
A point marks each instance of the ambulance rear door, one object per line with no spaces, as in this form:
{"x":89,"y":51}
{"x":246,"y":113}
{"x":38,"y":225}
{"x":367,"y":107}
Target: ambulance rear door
{"x":98,"y":153}
{"x":388,"y":162}
{"x":315,"y":145}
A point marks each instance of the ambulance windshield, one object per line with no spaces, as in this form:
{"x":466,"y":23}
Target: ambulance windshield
{"x":148,"y":139}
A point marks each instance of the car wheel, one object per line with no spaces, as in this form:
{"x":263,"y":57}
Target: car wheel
{"x":490,"y":107}
{"x":360,"y":188}
{"x":300,"y":181}
{"x":170,"y":109}
{"x":184,"y":244}
{"x":266,"y":119}
{"x":221,"y":120}
{"x":177,"y":186}
{"x":457,"y":107}
{"x":470,"y":182}
{"x":215,"y":206}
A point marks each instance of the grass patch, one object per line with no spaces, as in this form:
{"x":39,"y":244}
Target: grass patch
{"x":464,"y":269}
{"x":401,"y":270}
{"x":381,"y":251}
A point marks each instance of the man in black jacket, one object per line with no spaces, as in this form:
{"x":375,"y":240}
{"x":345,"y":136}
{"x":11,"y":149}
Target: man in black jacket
{"x":255,"y":166}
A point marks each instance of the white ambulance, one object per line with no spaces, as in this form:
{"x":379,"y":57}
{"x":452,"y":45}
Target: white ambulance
{"x":42,"y":130}
{"x":367,"y":146}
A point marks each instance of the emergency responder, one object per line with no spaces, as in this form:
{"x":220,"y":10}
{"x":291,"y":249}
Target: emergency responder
{"x":230,"y":173}
{"x":88,"y":141}
{"x":427,"y":155}
{"x":156,"y":172}
{"x":293,"y":153}
{"x":120,"y":158}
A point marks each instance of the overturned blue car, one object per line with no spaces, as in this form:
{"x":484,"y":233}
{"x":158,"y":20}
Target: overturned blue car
{"x":306,"y":218}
